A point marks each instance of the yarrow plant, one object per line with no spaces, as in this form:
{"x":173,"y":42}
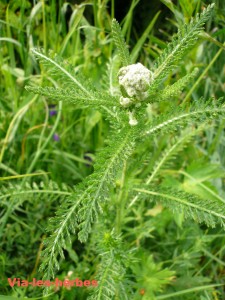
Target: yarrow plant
{"x":134,"y":81}
{"x":103,"y":195}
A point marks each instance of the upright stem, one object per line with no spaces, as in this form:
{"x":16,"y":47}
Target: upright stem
{"x":203,"y":74}
{"x":44,"y":26}
{"x":121,"y":201}
{"x":40,"y":150}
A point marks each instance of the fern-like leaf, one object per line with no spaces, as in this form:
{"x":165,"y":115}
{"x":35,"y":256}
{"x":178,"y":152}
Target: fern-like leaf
{"x":181,"y":43}
{"x":111,"y":275}
{"x":172,"y":91}
{"x":120,"y":43}
{"x":109,"y":78}
{"x":74,"y":96}
{"x":172,"y":151}
{"x":83,"y":207}
{"x":12,"y":196}
{"x":56,"y":66}
{"x":201,"y":210}
{"x":66,"y":223}
{"x":178,"y":117}
{"x":109,"y":161}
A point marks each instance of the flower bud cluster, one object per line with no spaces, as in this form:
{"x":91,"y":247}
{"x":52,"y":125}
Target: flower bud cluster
{"x":134,"y":81}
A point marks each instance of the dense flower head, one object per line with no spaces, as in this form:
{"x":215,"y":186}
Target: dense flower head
{"x":134,"y":81}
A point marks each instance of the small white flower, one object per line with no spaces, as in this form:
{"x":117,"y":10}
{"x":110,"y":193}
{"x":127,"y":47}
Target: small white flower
{"x":134,"y":80}
{"x":132,"y":120}
{"x":125,"y":102}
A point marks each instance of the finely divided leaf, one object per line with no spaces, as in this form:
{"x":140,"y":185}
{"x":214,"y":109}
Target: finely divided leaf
{"x":201,"y":210}
{"x":120,"y":43}
{"x":75,"y":96}
{"x":182,"y":42}
{"x":179,"y":117}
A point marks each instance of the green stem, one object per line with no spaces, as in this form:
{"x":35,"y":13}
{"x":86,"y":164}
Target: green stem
{"x":44,"y":25}
{"x":202,"y":185}
{"x":121,"y":201}
{"x":203,"y":74}
{"x":14,"y":123}
{"x":187,"y":291}
{"x":40,"y":150}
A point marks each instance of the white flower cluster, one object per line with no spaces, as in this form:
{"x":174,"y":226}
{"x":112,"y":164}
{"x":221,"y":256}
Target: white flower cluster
{"x":134,"y":81}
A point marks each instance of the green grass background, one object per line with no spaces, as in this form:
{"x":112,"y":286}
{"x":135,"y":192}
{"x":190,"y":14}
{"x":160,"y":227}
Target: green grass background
{"x":80,"y":32}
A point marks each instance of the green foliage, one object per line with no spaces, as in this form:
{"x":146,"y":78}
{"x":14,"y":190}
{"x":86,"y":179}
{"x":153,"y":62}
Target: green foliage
{"x":174,"y":90}
{"x":124,"y":215}
{"x":120,"y":43}
{"x":83,"y":207}
{"x":112,"y":270}
{"x":151,"y":277}
{"x":57,"y":66}
{"x":179,"y":117}
{"x":73,"y":96}
{"x":183,"y":41}
{"x":201,"y":210}
{"x":13,"y":196}
{"x":172,"y":151}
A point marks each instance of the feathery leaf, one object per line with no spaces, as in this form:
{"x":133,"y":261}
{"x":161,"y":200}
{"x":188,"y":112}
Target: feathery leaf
{"x":82,"y":208}
{"x":181,"y":43}
{"x":171,"y":151}
{"x":172,"y":91}
{"x":178,"y":117}
{"x":201,"y":210}
{"x":120,"y":43}
{"x":74,"y":96}
{"x":57,"y":66}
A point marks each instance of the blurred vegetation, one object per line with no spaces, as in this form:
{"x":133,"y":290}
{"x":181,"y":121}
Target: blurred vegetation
{"x":55,"y":144}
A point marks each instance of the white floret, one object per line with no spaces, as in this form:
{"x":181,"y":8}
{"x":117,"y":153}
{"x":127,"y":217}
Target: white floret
{"x":135,"y":80}
{"x":125,"y":102}
{"x":132,"y":120}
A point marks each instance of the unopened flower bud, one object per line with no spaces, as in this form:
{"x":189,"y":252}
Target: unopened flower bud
{"x":132,"y":119}
{"x":125,"y":102}
{"x":134,"y":81}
